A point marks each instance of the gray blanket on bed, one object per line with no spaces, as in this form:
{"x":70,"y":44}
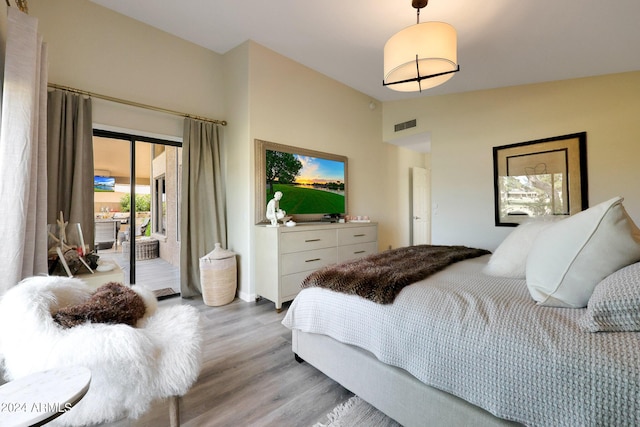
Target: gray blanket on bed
{"x":484,"y":339}
{"x":381,"y":277}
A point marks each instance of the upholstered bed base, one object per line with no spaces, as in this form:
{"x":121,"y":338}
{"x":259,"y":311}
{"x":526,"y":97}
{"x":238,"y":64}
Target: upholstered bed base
{"x":392,"y":390}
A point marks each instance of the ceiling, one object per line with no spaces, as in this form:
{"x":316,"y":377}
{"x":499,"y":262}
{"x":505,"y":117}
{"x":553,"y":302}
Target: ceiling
{"x":111,"y":158}
{"x":500,"y":42}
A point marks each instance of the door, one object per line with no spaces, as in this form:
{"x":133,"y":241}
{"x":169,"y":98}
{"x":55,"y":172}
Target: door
{"x":420,"y":206}
{"x":143,"y":203}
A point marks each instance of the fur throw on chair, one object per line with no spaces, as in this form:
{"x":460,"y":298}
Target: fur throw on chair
{"x":110,"y":303}
{"x":130,"y":366}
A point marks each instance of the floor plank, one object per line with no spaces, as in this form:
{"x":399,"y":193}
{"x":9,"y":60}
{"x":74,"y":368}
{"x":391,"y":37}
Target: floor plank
{"x":249,"y":376}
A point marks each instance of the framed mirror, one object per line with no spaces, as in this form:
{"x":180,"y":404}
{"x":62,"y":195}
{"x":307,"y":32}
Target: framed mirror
{"x":541,"y":178}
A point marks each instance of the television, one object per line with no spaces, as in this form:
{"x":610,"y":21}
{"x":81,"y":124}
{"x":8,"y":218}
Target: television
{"x":313,"y":183}
{"x":104,"y":183}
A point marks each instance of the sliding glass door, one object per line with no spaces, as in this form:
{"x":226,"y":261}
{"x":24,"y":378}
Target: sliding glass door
{"x":139,"y":205}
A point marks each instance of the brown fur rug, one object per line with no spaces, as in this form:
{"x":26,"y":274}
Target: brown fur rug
{"x":381,"y":277}
{"x":110,"y":303}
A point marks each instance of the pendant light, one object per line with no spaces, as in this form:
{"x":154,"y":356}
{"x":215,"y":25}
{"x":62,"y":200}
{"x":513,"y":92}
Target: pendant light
{"x":421,"y":56}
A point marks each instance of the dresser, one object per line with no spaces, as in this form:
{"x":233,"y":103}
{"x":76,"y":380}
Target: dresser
{"x":285,"y":256}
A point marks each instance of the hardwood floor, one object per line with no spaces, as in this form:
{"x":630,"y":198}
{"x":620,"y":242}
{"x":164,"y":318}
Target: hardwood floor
{"x":249,"y":376}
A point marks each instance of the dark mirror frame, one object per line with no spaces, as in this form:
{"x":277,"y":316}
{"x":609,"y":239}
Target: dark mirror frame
{"x":560,"y":156}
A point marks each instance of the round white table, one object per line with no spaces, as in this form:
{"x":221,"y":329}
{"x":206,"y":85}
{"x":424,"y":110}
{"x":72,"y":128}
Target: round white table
{"x":38,"y":398}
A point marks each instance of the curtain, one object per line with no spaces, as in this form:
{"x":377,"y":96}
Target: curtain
{"x":23,"y":173}
{"x":202,"y":206}
{"x":70,"y":161}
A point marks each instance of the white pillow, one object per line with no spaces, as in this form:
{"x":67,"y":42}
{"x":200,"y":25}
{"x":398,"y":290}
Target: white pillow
{"x":568,"y":259}
{"x":510,"y":258}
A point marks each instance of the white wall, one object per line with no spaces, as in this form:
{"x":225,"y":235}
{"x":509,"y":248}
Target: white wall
{"x":465,"y":127}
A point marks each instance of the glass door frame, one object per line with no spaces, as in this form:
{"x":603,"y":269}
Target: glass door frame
{"x":132,"y":139}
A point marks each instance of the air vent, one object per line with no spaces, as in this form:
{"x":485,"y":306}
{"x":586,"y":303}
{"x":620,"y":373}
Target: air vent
{"x":405,"y":125}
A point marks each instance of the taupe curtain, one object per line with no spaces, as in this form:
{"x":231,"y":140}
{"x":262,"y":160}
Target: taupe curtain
{"x":23,"y":172}
{"x":202,"y":206}
{"x":70,"y":161}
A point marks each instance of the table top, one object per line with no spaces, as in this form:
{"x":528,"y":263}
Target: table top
{"x":38,"y":398}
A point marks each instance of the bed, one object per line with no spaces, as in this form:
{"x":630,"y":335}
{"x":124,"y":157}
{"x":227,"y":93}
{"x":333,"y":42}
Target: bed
{"x":466,"y":347}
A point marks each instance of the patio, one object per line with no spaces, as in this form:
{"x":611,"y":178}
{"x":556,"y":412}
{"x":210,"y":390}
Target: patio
{"x":156,"y":274}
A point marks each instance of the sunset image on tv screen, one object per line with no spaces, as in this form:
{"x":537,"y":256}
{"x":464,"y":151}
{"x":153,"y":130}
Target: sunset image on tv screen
{"x":310,"y":185}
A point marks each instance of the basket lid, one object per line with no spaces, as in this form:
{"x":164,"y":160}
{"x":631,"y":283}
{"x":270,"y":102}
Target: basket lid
{"x":219,"y":253}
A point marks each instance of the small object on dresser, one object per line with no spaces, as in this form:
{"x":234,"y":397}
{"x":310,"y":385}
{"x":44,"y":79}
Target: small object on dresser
{"x":359,"y":218}
{"x":274,"y":213}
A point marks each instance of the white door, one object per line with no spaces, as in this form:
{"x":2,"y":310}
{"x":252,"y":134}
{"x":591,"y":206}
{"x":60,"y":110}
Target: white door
{"x":420,"y":206}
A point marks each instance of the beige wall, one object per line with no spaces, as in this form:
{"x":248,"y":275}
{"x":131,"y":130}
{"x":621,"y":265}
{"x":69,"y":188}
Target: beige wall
{"x":282,"y":101}
{"x":464,"y":128}
{"x":237,"y":164}
{"x":95,"y":49}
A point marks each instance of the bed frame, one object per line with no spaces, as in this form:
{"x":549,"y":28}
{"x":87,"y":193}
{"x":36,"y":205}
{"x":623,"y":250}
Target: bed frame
{"x":392,"y":390}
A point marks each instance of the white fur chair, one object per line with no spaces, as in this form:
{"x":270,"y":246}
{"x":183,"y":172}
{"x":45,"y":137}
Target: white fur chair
{"x":130,"y":367}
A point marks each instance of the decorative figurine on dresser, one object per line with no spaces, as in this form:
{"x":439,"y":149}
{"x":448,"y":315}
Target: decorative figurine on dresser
{"x":274,"y":213}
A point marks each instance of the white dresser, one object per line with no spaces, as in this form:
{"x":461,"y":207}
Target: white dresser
{"x":286,"y":255}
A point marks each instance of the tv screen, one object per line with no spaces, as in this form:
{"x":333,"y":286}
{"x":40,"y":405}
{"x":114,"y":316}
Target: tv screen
{"x":313,"y":184}
{"x":104,"y":183}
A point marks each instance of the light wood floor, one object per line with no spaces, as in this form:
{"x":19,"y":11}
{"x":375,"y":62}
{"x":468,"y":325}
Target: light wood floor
{"x":249,"y":376}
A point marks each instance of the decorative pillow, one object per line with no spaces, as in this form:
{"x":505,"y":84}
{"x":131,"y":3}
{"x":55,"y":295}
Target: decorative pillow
{"x":110,"y":303}
{"x":510,"y":258}
{"x":568,"y":259}
{"x":615,"y":303}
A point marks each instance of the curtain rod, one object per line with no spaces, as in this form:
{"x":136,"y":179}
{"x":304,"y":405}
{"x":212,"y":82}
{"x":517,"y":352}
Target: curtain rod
{"x":135,"y":104}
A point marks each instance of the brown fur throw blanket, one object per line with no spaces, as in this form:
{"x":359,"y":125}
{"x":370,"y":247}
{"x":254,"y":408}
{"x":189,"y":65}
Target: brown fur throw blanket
{"x":110,"y":303}
{"x":381,"y":277}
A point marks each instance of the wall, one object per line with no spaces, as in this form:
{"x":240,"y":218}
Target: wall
{"x":237,"y":158}
{"x":284,"y":102}
{"x":166,"y":165}
{"x":465,"y":127}
{"x":95,"y":49}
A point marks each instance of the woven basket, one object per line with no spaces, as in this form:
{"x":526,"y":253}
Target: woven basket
{"x":218,"y":277}
{"x":146,"y":248}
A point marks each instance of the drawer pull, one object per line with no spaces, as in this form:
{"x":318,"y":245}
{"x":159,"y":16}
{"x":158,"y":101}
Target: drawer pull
{"x":313,"y":260}
{"x":359,"y":235}
{"x":311,"y":240}
{"x":359,"y":252}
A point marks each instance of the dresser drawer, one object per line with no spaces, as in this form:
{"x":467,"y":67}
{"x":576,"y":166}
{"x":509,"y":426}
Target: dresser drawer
{"x":308,"y":260}
{"x":290,"y":284}
{"x":296,"y":241}
{"x":349,"y":236}
{"x":349,"y":252}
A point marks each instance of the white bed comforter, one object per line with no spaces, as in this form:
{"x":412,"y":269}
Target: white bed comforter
{"x":485,"y":340}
